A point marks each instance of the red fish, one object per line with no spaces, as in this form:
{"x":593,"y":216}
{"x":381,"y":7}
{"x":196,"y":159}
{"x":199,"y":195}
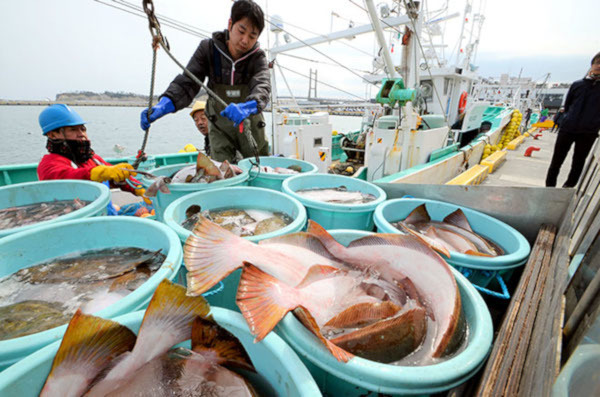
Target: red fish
{"x":408,"y":261}
{"x":212,"y":252}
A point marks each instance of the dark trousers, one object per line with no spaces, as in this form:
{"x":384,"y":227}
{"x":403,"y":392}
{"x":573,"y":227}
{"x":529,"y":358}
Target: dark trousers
{"x":564,"y":141}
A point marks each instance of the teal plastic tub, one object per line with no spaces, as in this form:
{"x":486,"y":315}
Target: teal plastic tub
{"x":162,"y":200}
{"x":22,"y":250}
{"x":272,"y":358}
{"x":361,"y":377}
{"x":480,"y":270}
{"x":580,"y":376}
{"x":38,"y":192}
{"x":239,"y":197}
{"x":336,"y":216}
{"x":274,"y":181}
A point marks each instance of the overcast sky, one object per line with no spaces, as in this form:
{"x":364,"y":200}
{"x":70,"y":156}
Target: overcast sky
{"x":53,"y":46}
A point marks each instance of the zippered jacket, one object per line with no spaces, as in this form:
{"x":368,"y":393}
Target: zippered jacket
{"x":582,"y":108}
{"x":213,"y":60}
{"x":55,"y":166}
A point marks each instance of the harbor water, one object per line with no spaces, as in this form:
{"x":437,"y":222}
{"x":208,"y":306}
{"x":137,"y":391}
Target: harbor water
{"x":108,"y":126}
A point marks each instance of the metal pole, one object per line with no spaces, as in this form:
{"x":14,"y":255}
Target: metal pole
{"x":389,"y":65}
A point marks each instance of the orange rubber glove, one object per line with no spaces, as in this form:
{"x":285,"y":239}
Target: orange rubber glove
{"x":112,"y":173}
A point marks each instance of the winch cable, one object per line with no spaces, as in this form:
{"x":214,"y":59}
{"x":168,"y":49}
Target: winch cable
{"x":158,"y":38}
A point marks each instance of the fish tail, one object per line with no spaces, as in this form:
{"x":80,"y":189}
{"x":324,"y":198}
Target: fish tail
{"x":88,"y":346}
{"x":211,"y":253}
{"x":168,"y":319}
{"x":264,"y":300}
{"x":326,"y":239}
{"x":209,"y":337}
{"x":309,"y":322}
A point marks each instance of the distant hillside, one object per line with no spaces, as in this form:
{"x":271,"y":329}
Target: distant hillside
{"x":107,"y":96}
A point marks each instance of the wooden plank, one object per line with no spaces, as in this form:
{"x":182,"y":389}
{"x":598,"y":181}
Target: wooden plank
{"x":588,"y":238}
{"x":588,"y":217}
{"x":500,"y":363}
{"x":537,"y":379}
{"x":590,"y":265}
{"x":584,"y":326}
{"x":582,"y":205}
{"x":530,"y":318}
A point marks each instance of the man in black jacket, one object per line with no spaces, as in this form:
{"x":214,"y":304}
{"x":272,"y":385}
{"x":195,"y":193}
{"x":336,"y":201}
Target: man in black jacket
{"x":237,"y":71}
{"x":579,"y":125}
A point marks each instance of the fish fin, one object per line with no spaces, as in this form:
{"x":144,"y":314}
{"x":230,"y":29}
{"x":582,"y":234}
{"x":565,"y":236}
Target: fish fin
{"x":458,"y":218}
{"x":477,"y":253}
{"x":418,"y":215}
{"x":203,"y":162}
{"x":387,"y":340}
{"x":317,"y":272}
{"x":210,"y":254}
{"x":213,"y":341}
{"x":303,"y":240}
{"x":430,"y":238}
{"x":88,"y":346}
{"x":326,"y":239}
{"x":309,"y":322}
{"x":168,"y":320}
{"x":363,"y":313}
{"x":263,"y":300}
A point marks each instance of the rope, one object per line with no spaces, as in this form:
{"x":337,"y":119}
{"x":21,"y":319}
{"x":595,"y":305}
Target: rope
{"x":158,"y":38}
{"x":141,"y":155}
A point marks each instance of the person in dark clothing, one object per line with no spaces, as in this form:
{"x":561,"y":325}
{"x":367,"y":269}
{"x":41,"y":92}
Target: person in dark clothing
{"x":557,"y":118}
{"x":527,"y":117}
{"x":579,"y":126}
{"x":238,"y":72}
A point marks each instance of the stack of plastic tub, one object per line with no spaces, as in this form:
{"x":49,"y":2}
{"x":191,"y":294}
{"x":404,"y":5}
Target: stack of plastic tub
{"x":480,"y":270}
{"x":240,"y":198}
{"x":273,"y":181}
{"x":272,"y":358}
{"x":162,"y":200}
{"x":333,"y":215}
{"x":362,"y":377}
{"x":28,"y":248}
{"x":38,"y":192}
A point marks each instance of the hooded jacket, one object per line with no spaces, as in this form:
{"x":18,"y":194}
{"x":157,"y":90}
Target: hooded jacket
{"x":213,"y":60}
{"x":582,"y":108}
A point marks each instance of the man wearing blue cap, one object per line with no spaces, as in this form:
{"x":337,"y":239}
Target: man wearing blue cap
{"x":70,"y":155}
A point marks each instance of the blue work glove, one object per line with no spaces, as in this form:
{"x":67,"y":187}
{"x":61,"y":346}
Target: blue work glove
{"x":238,"y":112}
{"x":164,"y":106}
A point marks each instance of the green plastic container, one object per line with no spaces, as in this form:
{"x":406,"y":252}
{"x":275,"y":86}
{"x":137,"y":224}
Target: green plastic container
{"x":37,"y":192}
{"x":239,"y":197}
{"x":361,"y":377}
{"x":480,"y":270}
{"x":580,"y":375}
{"x":28,"y":248}
{"x":331,"y":215}
{"x":272,"y":358}
{"x":274,"y":181}
{"x":162,"y":200}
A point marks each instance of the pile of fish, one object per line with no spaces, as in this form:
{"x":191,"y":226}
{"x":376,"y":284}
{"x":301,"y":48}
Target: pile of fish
{"x":291,"y":170}
{"x":99,"y":357}
{"x":44,"y":296}
{"x":454,"y":233}
{"x":204,"y":171}
{"x":385,"y":297}
{"x":337,"y":195}
{"x":33,"y":213}
{"x":243,"y":223}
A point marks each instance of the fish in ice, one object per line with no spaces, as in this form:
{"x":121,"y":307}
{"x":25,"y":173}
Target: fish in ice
{"x":336,"y":195}
{"x":29,"y":214}
{"x":340,"y":307}
{"x":211,"y":253}
{"x":280,"y":170}
{"x":99,"y":357}
{"x":205,"y":171}
{"x":454,"y":233}
{"x":30,"y":317}
{"x":408,"y":261}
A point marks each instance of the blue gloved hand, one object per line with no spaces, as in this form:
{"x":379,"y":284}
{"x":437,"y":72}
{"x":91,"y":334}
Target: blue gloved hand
{"x":164,"y":106}
{"x":238,"y":112}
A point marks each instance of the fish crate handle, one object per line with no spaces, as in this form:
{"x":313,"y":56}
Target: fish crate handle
{"x":502,"y":295}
